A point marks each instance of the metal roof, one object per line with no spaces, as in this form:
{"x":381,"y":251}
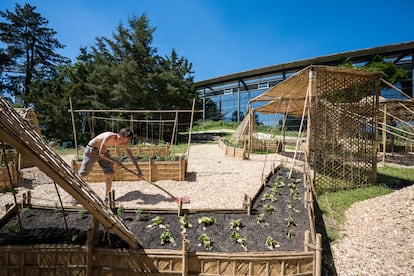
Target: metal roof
{"x":388,"y":51}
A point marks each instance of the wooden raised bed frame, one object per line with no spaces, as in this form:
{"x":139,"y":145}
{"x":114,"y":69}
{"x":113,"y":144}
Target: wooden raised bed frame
{"x":152,"y":170}
{"x":87,"y":260}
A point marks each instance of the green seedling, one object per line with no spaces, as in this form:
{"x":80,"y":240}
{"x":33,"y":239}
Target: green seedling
{"x":290,"y":221}
{"x":236,"y":224}
{"x":239,"y":239}
{"x":183,"y":221}
{"x":138,"y":213}
{"x":268,"y":196}
{"x":289,"y":233}
{"x":292,"y":185}
{"x":206,"y":221}
{"x":205,"y":242}
{"x":166,"y":237}
{"x":269,"y":209}
{"x":271,"y":243}
{"x":291,"y":206}
{"x":157,"y":221}
{"x":260,"y":218}
{"x":120,"y":211}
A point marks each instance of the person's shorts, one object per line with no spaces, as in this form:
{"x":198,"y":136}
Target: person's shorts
{"x":90,"y":157}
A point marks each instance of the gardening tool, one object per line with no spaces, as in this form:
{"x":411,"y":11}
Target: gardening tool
{"x":177,"y":200}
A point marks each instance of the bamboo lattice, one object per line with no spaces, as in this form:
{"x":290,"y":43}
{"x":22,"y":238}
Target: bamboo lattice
{"x":343,"y":130}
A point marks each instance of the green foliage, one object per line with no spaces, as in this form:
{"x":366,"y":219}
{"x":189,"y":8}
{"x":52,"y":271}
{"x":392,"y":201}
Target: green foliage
{"x":271,"y":243}
{"x":236,"y":224}
{"x":138,"y":213}
{"x":239,"y":239}
{"x":206,"y":241}
{"x":31,"y":52}
{"x":167,"y":237}
{"x":207,"y":220}
{"x":183,"y":221}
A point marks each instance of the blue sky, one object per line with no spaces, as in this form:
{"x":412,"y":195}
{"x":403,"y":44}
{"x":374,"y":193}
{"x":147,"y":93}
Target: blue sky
{"x":222,"y":37}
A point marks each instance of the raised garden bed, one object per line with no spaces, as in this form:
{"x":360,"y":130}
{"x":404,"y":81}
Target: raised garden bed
{"x":240,"y":243}
{"x":155,"y":150}
{"x":232,"y":150}
{"x":153,"y":170}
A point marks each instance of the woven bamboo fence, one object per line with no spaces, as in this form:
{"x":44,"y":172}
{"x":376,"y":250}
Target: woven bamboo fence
{"x":232,"y":151}
{"x":152,"y":170}
{"x":343,"y":131}
{"x":156,"y":150}
{"x":47,"y":259}
{"x":10,"y":176}
{"x":266,"y":145}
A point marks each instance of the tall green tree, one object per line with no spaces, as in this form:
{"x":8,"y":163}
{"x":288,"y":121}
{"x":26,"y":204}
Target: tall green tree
{"x":31,"y":47}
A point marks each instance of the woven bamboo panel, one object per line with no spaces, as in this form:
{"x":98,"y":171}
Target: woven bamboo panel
{"x":342,"y":143}
{"x":152,"y":170}
{"x":9,"y":176}
{"x":139,"y":151}
{"x":266,"y":145}
{"x":231,"y":151}
{"x":61,"y":259}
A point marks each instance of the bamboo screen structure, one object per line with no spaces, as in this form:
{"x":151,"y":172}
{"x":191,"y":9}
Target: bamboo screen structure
{"x":340,"y":108}
{"x":343,"y":130}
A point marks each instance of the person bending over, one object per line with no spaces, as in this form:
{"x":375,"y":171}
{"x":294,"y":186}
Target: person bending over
{"x":97,"y":151}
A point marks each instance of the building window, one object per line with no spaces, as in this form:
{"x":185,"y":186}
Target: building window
{"x":228,"y":90}
{"x":263,"y":85}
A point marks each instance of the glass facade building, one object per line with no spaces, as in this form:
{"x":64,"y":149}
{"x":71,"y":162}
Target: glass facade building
{"x":228,"y":97}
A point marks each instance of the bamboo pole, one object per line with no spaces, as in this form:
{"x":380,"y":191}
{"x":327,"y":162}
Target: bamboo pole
{"x":310,"y":84}
{"x":318,"y":255}
{"x":191,"y":129}
{"x":74,"y":128}
{"x":384,"y":136}
{"x":174,"y":128}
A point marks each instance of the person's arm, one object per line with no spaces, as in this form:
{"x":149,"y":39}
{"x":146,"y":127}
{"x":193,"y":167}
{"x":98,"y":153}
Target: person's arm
{"x":131,"y":156}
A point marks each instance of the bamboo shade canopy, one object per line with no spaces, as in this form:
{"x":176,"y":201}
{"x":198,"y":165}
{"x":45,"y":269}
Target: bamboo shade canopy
{"x":289,"y":95}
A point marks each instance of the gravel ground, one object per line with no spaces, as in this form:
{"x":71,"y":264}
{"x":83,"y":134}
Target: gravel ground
{"x":378,"y":236}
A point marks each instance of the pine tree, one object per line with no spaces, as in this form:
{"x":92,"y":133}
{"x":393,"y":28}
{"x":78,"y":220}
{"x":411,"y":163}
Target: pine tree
{"x":31,"y":48}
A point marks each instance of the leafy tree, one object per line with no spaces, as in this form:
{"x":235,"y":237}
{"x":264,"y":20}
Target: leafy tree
{"x":31,"y":48}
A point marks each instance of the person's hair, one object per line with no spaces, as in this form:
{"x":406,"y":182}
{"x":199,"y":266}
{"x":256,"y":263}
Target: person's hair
{"x":126,"y":132}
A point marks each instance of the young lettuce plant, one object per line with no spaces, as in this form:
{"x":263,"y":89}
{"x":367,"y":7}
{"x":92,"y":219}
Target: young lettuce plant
{"x":166,"y":237}
{"x":269,"y":209}
{"x":236,"y":224}
{"x":206,"y":221}
{"x":157,"y":221}
{"x":205,"y":242}
{"x":184,"y":223}
{"x":269,"y":197}
{"x":239,"y":239}
{"x":271,"y":243}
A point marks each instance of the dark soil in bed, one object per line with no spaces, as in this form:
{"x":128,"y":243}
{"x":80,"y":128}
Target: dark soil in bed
{"x":285,"y":225}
